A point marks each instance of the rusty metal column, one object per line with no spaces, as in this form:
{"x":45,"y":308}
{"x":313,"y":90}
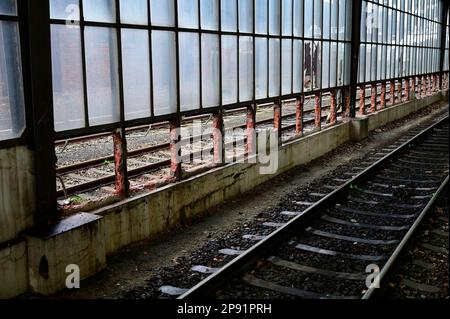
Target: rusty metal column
{"x":383,"y":96}
{"x":362,"y":100}
{"x":400,"y":91}
{"x":277,"y":120}
{"x":175,"y":149}
{"x":414,"y":86}
{"x":392,"y":92}
{"x":424,"y":87}
{"x":373,"y":98}
{"x":218,"y":138}
{"x":120,"y":163}
{"x":347,"y":102}
{"x":333,"y":114}
{"x":299,"y":104}
{"x":407,"y":89}
{"x":318,"y":111}
{"x":250,"y":145}
{"x":37,"y":69}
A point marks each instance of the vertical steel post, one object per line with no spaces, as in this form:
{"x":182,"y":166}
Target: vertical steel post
{"x":355,"y":47}
{"x":383,"y":96}
{"x":36,"y":31}
{"x":392,"y":92}
{"x":250,"y":145}
{"x":333,"y":107}
{"x":318,"y":111}
{"x":299,"y":104}
{"x":414,"y":86}
{"x":120,"y":163}
{"x":373,"y":98}
{"x":277,"y":119}
{"x":218,"y":138}
{"x":400,"y":91}
{"x":175,"y":149}
{"x":362,"y":100}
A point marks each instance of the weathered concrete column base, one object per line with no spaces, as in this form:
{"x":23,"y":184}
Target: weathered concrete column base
{"x":78,"y":240}
{"x":13,"y":269}
{"x":359,"y":129}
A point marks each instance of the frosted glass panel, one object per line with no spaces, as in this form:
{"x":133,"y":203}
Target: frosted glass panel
{"x":210,"y":70}
{"x":286,"y":67}
{"x":67,"y":68}
{"x":274,"y":17}
{"x":164,"y":72}
{"x":298,"y":66}
{"x":229,"y":15}
{"x":348,"y":61}
{"x":245,"y":15}
{"x":12,"y":113}
{"x":342,"y":22}
{"x":245,"y":68}
{"x":326,"y":19}
{"x":134,"y":11}
{"x":8,"y":7}
{"x":334,"y":20}
{"x":99,"y":10}
{"x":102,"y":75}
{"x":64,"y":9}
{"x":309,"y":14}
{"x":136,"y":73}
{"x":188,"y":13}
{"x":317,"y":18}
{"x":189,"y":71}
{"x":261,"y":68}
{"x":298,"y":18}
{"x":326,"y":66}
{"x":229,"y":69}
{"x":274,"y":67}
{"x":308,"y":65}
{"x":333,"y":63}
{"x":261,"y":12}
{"x":340,"y":65}
{"x":163,"y":12}
{"x":209,"y":14}
{"x":317,"y":65}
{"x":287,"y":17}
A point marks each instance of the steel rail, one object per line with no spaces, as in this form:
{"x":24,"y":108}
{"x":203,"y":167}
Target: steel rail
{"x":243,"y":262}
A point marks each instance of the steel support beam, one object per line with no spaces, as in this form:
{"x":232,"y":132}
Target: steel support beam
{"x":355,"y":46}
{"x":333,"y":114}
{"x":38,"y":70}
{"x":383,"y":96}
{"x":277,"y":119}
{"x":362,"y":100}
{"x":318,"y":111}
{"x":120,"y":163}
{"x":299,"y":105}
{"x":373,"y":98}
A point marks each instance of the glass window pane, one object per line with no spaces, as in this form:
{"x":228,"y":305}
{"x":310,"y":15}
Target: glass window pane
{"x":8,"y":7}
{"x":334,"y":20}
{"x":287,"y":17}
{"x":189,"y":71}
{"x":12,"y":116}
{"x":188,"y":13}
{"x":326,"y":19}
{"x":210,"y":70}
{"x":245,"y":69}
{"x":274,"y":17}
{"x":309,"y":13}
{"x":326,"y":66}
{"x":298,"y":66}
{"x":261,"y":16}
{"x":308,"y":65}
{"x":163,"y":12}
{"x":286,"y":67}
{"x":317,"y":65}
{"x":99,"y":10}
{"x":261,"y":68}
{"x":333,"y":63}
{"x":134,"y":11}
{"x":245,"y":15}
{"x":210,"y":14}
{"x":136,"y":73}
{"x":67,"y":70}
{"x":164,"y":72}
{"x":298,"y":18}
{"x":317,"y":18}
{"x":342,"y":19}
{"x":102,"y":75}
{"x":274,"y":68}
{"x":229,"y":15}
{"x":64,"y":9}
{"x":340,"y":65}
{"x":229,"y":69}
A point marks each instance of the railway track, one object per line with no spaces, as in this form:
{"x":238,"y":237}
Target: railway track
{"x":364,"y":224}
